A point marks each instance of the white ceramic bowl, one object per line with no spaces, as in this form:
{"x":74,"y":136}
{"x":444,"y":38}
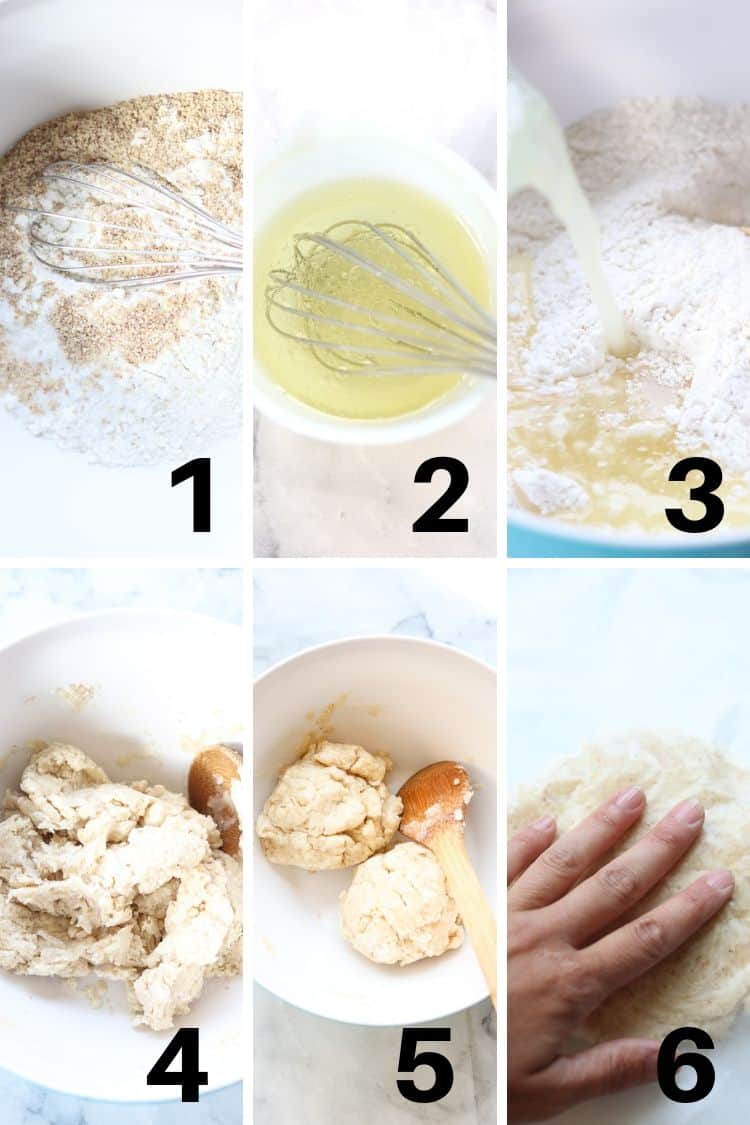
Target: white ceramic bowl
{"x":63,"y":55}
{"x":587,"y":55}
{"x":165,"y":684}
{"x":423,"y":164}
{"x":421,"y":702}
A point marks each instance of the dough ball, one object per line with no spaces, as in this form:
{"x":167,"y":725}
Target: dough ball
{"x":398,"y":909}
{"x":704,"y":983}
{"x":329,"y":809}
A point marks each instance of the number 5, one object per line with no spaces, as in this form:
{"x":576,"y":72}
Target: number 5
{"x":409,"y":1060}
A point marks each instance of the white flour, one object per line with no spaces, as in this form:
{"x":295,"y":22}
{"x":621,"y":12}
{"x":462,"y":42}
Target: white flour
{"x":124,"y":376}
{"x":670,"y":183}
{"x":549,"y":492}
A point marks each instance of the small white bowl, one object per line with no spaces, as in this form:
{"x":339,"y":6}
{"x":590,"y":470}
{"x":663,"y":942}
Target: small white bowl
{"x":164,"y":685}
{"x":421,"y":702}
{"x":422,"y":164}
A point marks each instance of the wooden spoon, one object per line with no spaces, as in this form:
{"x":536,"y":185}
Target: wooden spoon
{"x":435,"y":800}
{"x":210,"y":790}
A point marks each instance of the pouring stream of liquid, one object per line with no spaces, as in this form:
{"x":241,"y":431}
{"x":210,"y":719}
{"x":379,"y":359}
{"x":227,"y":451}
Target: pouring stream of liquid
{"x":538,"y":158}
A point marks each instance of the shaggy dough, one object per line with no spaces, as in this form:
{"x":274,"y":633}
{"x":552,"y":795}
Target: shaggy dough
{"x":705,"y":982}
{"x":329,"y":809}
{"x":398,"y":909}
{"x":124,"y":881}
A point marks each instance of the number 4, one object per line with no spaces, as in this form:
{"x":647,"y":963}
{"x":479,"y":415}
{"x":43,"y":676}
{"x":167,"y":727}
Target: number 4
{"x":191,"y":1077}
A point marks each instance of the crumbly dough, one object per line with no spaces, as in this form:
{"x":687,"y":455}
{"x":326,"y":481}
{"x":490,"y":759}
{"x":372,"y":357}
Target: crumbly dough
{"x":398,"y":909}
{"x":123,"y":881}
{"x":330,"y":809}
{"x":705,"y":983}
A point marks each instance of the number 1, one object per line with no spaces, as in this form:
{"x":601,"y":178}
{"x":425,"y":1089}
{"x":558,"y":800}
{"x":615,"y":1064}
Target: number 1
{"x":200,"y":471}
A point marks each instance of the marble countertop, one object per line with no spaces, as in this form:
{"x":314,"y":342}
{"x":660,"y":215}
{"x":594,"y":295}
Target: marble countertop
{"x":316,"y":499}
{"x":335,"y":1073}
{"x":30,"y":600}
{"x":616,"y":650}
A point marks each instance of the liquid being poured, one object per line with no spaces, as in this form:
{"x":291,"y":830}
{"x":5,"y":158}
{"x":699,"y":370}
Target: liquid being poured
{"x":538,"y":158}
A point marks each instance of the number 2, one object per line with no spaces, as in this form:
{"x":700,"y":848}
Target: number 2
{"x":433,"y":519}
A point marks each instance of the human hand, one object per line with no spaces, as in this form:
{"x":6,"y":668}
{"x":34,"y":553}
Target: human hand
{"x":561,"y":968}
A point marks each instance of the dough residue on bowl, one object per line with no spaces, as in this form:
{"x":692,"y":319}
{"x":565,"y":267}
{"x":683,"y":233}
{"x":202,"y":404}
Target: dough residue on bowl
{"x":398,"y":908}
{"x":330,"y":808}
{"x":123,"y":881}
{"x":707,"y":980}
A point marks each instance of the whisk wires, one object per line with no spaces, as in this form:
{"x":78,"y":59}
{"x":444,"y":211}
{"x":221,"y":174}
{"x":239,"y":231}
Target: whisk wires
{"x":372,"y":299}
{"x":113,"y":226}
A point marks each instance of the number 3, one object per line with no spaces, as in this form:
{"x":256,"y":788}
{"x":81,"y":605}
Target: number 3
{"x":705,"y":492}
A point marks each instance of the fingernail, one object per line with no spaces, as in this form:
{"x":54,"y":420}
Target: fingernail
{"x":690,"y":813}
{"x":722,"y":881}
{"x":630,"y":799}
{"x":543,"y":824}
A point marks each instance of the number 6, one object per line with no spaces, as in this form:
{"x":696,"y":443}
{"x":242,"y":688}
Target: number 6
{"x":669,"y":1062}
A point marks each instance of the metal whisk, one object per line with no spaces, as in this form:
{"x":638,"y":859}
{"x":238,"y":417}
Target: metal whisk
{"x":113,"y":226}
{"x":371,"y":299}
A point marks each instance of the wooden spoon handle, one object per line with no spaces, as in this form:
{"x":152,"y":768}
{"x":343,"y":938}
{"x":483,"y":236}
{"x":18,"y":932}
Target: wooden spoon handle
{"x":450,"y":851}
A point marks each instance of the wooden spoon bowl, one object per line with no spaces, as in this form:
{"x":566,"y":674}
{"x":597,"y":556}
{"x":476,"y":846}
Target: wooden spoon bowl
{"x":435,"y":802}
{"x":210,"y":791}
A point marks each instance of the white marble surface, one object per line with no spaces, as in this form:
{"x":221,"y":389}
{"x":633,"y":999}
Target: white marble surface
{"x":32,"y":599}
{"x":416,"y":65}
{"x":611,"y":650}
{"x":316,"y":1071}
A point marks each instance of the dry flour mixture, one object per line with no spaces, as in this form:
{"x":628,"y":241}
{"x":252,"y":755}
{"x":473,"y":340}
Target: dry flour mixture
{"x":592,"y":438}
{"x":124,"y":376}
